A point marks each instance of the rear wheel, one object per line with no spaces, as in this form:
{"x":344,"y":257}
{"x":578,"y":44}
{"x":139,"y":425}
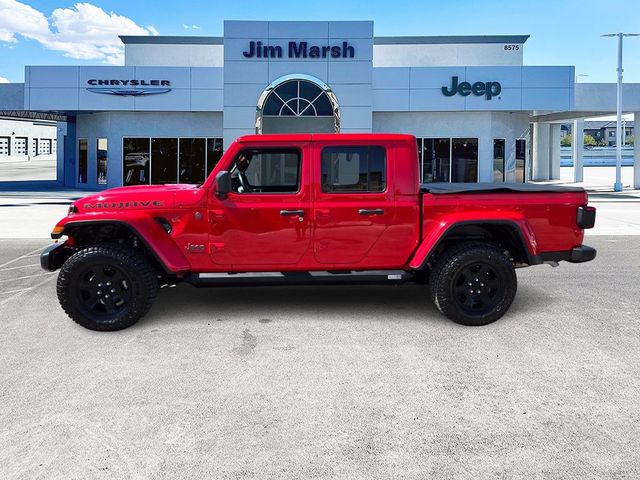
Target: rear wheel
{"x":106,"y":287}
{"x":473,"y":284}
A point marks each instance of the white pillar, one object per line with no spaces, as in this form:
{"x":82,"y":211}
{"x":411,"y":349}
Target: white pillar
{"x":541,"y":135}
{"x":554,"y":151}
{"x":636,"y":151}
{"x":577,"y":147}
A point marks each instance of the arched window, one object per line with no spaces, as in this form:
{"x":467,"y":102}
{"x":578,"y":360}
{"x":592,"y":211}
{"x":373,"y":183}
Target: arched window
{"x":297,"y":104}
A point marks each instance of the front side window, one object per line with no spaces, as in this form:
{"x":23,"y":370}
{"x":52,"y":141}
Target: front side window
{"x":266,"y":171}
{"x":354,"y":169}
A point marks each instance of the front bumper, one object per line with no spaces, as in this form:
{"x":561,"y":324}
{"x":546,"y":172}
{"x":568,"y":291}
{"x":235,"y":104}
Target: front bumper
{"x":52,"y":258}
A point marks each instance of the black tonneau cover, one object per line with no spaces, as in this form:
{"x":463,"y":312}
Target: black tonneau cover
{"x":445,"y":188}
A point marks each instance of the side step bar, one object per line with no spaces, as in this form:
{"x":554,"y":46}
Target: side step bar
{"x":371,"y":277}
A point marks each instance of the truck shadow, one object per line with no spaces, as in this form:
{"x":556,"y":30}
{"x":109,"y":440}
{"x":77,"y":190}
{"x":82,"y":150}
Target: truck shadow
{"x":328,"y":303}
{"x":364,"y":302}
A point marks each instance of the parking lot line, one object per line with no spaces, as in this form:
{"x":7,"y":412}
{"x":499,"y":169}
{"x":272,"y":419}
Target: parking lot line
{"x":17,"y":293}
{"x":26,"y":255}
{"x":21,"y":266}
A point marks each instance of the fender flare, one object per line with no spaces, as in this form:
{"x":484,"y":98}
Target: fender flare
{"x":150,"y":233}
{"x":436,"y":236}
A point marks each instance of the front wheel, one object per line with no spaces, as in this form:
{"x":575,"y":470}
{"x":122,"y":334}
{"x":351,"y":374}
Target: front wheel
{"x":474,"y":284}
{"x":106,"y":287}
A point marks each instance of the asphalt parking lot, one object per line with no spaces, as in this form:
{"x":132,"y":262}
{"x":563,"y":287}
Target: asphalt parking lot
{"x":331,"y":382}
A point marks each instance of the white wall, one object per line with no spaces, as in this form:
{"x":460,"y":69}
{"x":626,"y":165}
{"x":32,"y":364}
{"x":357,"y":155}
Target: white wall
{"x":436,"y":55}
{"x":160,"y":55}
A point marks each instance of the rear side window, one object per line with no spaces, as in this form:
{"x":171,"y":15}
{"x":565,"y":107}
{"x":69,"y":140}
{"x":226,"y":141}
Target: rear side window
{"x":354,"y":169}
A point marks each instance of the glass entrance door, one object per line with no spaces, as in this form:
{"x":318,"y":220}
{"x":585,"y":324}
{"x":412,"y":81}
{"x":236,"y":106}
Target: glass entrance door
{"x":464,"y":160}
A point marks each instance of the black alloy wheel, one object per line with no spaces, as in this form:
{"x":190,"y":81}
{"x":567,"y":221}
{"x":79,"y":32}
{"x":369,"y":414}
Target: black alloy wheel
{"x":107,"y":287}
{"x":473,"y":283}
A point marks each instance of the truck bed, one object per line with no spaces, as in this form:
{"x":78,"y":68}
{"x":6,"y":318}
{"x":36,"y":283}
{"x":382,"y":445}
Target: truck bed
{"x":446,"y":188}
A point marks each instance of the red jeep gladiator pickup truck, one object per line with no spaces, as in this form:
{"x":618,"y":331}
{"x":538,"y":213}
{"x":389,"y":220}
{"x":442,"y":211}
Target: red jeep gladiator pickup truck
{"x":318,"y":208}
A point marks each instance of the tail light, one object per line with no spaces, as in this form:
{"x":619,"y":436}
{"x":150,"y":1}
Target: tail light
{"x":586,"y":217}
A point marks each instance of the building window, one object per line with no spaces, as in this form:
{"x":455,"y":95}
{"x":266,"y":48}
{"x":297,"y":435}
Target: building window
{"x":449,"y":160}
{"x":136,"y":155}
{"x":498,"y":159}
{"x":82,"y":160}
{"x":521,"y":156}
{"x":169,"y":160}
{"x":353,"y":169}
{"x":612,"y":133}
{"x":164,"y":164}
{"x":297,"y":104}
{"x":464,"y":160}
{"x":214,"y":153}
{"x":101,"y":161}
{"x":192,"y":160}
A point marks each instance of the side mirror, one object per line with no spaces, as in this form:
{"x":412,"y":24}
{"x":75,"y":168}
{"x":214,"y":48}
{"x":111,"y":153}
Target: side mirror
{"x":223,"y":184}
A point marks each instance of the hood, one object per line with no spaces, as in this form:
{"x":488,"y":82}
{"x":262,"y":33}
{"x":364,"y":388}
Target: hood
{"x":138,"y":197}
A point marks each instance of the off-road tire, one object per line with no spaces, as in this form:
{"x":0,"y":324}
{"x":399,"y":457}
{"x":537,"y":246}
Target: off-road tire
{"x":129,"y":296}
{"x":463,"y":264}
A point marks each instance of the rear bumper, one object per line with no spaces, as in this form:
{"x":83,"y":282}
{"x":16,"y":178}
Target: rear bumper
{"x":579,"y":254}
{"x":582,"y":254}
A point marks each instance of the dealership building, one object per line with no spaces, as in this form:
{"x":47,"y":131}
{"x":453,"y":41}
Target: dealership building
{"x":478,"y":113}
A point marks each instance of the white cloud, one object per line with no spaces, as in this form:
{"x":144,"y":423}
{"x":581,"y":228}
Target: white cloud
{"x":85,"y":32}
{"x":190,"y":27}
{"x":3,"y":80}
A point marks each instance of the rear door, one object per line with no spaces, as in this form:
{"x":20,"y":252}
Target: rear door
{"x":353,"y":203}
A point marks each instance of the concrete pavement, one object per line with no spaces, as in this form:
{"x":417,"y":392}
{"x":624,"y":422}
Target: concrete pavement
{"x":332,"y":382}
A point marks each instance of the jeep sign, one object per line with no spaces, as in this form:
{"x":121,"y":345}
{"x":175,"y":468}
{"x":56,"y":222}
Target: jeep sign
{"x":488,"y":89}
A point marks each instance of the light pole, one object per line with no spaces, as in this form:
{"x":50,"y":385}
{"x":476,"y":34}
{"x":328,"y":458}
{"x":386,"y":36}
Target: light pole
{"x":617,"y":187}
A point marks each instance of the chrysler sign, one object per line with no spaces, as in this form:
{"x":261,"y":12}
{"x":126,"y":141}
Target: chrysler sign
{"x":128,"y":87}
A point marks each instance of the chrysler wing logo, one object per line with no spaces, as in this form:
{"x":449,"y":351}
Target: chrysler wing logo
{"x":128,"y":88}
{"x":129,"y":92}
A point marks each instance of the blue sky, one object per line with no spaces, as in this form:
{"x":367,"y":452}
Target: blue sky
{"x":562,"y":33}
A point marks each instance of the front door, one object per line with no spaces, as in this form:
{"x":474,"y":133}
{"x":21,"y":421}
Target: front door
{"x":264,"y":222}
{"x":353,"y":206}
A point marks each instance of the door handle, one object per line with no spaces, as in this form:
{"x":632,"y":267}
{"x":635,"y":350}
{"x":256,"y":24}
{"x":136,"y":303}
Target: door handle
{"x":373,"y":211}
{"x":291,"y":213}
